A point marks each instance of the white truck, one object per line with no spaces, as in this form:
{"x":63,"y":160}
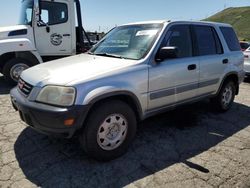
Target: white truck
{"x":46,"y":31}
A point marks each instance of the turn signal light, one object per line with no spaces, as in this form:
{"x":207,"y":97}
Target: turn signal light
{"x":69,"y":122}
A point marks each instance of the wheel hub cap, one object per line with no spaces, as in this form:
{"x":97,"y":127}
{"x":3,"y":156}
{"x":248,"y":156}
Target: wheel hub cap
{"x":112,"y":132}
{"x":227,"y":96}
{"x":16,"y":71}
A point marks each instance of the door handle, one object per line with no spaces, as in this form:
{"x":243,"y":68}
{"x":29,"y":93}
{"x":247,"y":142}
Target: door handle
{"x":66,"y":35}
{"x":225,"y":61}
{"x":192,"y":67}
{"x":47,"y":28}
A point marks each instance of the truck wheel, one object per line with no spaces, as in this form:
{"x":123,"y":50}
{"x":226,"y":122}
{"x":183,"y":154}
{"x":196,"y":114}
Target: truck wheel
{"x":13,"y":69}
{"x":109,"y":130}
{"x":224,"y":100}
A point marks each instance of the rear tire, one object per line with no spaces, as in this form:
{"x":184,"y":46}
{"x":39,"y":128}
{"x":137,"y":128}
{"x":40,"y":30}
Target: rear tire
{"x":224,"y":100}
{"x":109,"y":130}
{"x":13,"y":69}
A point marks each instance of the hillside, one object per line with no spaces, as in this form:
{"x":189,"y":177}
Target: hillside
{"x":238,"y":17}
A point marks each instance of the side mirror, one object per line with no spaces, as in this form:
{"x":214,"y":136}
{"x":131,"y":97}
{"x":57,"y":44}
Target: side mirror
{"x":37,"y":10}
{"x":169,"y":52}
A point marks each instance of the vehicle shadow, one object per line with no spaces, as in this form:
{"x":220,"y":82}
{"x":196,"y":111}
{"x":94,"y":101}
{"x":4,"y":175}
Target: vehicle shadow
{"x":4,"y":86}
{"x":161,"y":141}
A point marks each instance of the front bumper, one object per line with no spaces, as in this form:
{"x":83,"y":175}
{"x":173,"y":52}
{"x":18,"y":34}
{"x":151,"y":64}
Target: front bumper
{"x":49,"y":119}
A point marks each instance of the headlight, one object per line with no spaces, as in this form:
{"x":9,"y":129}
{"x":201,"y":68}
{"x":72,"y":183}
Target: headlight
{"x":57,"y":95}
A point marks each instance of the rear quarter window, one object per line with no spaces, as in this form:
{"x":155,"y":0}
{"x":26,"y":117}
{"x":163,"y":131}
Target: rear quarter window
{"x":231,"y":38}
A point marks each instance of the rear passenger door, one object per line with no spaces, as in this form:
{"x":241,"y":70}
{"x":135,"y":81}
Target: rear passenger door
{"x":212,"y":60}
{"x":174,"y":80}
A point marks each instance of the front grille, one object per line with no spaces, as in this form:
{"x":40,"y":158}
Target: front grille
{"x":24,"y":87}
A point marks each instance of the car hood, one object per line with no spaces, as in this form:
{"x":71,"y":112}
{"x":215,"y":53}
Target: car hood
{"x":4,"y":31}
{"x":75,"y":69}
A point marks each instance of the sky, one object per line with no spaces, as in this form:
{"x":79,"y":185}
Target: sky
{"x":103,"y":15}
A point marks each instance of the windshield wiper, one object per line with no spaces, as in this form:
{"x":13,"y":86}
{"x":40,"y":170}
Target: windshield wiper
{"x":108,"y":55}
{"x":90,"y":53}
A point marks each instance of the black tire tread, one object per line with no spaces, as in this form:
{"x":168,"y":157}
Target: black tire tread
{"x":216,"y":101}
{"x":88,"y":135}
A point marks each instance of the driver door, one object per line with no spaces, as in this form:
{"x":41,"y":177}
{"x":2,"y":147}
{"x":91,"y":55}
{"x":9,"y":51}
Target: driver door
{"x":53,"y":31}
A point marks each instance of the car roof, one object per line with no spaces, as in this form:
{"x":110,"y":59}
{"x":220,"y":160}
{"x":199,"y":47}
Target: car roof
{"x":178,"y":21}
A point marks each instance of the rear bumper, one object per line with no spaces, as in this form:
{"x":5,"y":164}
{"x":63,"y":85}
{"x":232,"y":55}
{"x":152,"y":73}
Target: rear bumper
{"x":247,"y":67}
{"x":48,"y":119}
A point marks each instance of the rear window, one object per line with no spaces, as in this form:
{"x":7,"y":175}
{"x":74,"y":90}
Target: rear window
{"x":231,"y":38}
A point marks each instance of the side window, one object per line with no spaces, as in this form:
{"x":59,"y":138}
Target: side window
{"x":53,"y":13}
{"x":180,"y":37}
{"x":28,"y":16}
{"x":231,"y":38}
{"x":45,"y":16}
{"x":208,"y":40}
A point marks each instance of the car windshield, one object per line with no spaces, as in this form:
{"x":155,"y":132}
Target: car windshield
{"x":128,"y":42}
{"x":26,"y":12}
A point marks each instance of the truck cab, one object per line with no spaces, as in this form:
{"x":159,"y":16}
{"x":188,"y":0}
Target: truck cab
{"x":46,"y":31}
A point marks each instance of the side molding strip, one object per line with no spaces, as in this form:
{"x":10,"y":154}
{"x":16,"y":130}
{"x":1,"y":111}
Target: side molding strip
{"x":208,"y":83}
{"x":181,"y":89}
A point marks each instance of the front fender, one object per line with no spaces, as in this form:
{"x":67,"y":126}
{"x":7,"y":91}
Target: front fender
{"x":98,"y":92}
{"x":109,"y":91}
{"x":19,"y":45}
{"x":16,"y":45}
{"x":131,"y":84}
{"x":91,"y":96}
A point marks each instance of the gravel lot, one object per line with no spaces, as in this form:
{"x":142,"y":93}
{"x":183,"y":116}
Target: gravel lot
{"x":189,"y":147}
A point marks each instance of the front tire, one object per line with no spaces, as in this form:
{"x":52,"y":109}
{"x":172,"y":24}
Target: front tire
{"x":13,"y":69}
{"x":110,"y":129}
{"x":224,"y":100}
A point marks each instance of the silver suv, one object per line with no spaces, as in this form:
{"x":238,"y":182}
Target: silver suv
{"x":136,"y":71}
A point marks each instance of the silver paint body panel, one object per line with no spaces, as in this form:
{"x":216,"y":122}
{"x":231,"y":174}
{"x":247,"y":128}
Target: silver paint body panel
{"x":155,"y":85}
